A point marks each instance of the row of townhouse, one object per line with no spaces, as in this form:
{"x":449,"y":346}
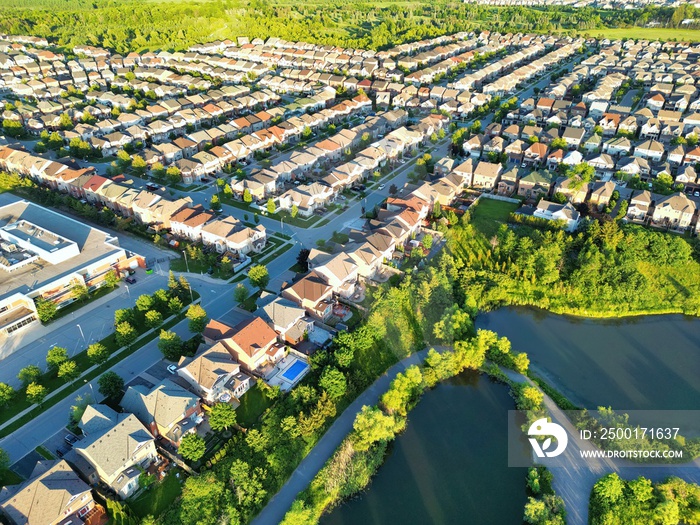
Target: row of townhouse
{"x":508,"y":83}
{"x":222,"y":233}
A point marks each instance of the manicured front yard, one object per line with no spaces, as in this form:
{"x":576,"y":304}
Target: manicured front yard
{"x":253,"y":404}
{"x":159,"y":497}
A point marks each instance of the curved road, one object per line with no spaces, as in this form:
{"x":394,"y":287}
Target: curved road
{"x":574,"y":477}
{"x":277,"y":507}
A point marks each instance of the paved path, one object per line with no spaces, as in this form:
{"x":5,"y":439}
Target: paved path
{"x":277,"y":507}
{"x":574,"y":479}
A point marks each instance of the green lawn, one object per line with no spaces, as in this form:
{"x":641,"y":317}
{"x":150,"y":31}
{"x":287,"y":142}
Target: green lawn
{"x":488,"y":215}
{"x":646,"y":33}
{"x":253,"y":404}
{"x":158,"y":498}
{"x":45,"y":452}
{"x":273,"y":256}
{"x":193,"y":266}
{"x":249,"y":303}
{"x":7,"y":477}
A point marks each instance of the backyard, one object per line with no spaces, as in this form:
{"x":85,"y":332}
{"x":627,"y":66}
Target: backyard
{"x":158,"y":497}
{"x":253,"y":403}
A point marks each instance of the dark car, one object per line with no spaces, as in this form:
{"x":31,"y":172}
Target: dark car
{"x":62,"y":451}
{"x":70,"y":439}
{"x":130,"y":280}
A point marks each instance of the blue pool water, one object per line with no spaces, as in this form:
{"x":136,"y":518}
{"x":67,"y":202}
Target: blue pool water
{"x":293,"y":371}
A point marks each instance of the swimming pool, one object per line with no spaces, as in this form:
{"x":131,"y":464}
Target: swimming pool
{"x":294,"y":371}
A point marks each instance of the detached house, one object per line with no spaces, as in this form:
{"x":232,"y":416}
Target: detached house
{"x":558,"y":212}
{"x":52,"y":495}
{"x":675,"y":211}
{"x":167,"y":410}
{"x":115,"y":449}
{"x":214,"y":375}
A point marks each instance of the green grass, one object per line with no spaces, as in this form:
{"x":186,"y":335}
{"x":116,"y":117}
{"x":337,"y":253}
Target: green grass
{"x":158,"y":498}
{"x":488,"y":215}
{"x":276,"y":254}
{"x":646,"y":33}
{"x":193,"y":266}
{"x":253,"y":404}
{"x":44,"y":452}
{"x":8,"y":477}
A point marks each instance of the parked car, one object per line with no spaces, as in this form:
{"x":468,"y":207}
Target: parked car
{"x":70,"y":439}
{"x":131,"y":272}
{"x":172,"y":369}
{"x":130,"y":280}
{"x":62,"y":451}
{"x":381,"y":187}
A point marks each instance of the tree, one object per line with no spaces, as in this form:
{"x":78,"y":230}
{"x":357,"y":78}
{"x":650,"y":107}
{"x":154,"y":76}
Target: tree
{"x":29,"y":374}
{"x":197,"y":318}
{"x":271,"y":206}
{"x":46,"y":310}
{"x":65,"y":121}
{"x":192,"y":447}
{"x":153,"y":318}
{"x":475,"y":128}
{"x":145,"y":481}
{"x":68,"y":371}
{"x":111,"y":385}
{"x":258,"y":276}
{"x":215,"y":203}
{"x":333,"y":381}
{"x":175,"y":304}
{"x":6,"y":394}
{"x":240,"y":293}
{"x":247,"y":197}
{"x":97,"y":353}
{"x":13,"y":128}
{"x":144,"y":303}
{"x":222,"y":416}
{"x":558,"y":143}
{"x":372,"y":425}
{"x":170,"y":344}
{"x":123,"y":315}
{"x":427,"y":241}
{"x":303,"y":259}
{"x":111,"y":279}
{"x":55,"y":357}
{"x":295,"y":211}
{"x":125,"y":334}
{"x":173,"y":174}
{"x":36,"y":393}
{"x":139,"y":164}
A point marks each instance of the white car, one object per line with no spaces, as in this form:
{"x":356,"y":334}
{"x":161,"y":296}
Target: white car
{"x":381,"y":187}
{"x":172,"y":369}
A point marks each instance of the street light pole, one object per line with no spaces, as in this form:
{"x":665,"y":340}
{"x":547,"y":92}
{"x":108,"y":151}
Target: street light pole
{"x":187,"y":265}
{"x":81,"y":331}
{"x":127,"y":290}
{"x":91,"y":390}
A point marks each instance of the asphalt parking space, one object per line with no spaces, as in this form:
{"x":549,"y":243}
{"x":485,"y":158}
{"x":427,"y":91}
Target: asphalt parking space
{"x":25,"y":466}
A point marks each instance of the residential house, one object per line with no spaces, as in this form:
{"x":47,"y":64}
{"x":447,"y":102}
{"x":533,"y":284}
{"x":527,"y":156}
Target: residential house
{"x":674,"y":211}
{"x":167,"y":409}
{"x":601,"y":193}
{"x":558,"y":212}
{"x":313,"y":293}
{"x":214,"y":375}
{"x":52,"y":495}
{"x":536,"y":184}
{"x":486,"y":175}
{"x":115,"y":449}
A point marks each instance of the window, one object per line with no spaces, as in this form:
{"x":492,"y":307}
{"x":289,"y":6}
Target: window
{"x":17,"y":326}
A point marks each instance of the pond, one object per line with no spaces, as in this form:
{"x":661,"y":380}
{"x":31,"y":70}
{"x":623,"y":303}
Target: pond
{"x":633,"y":363}
{"x":449,"y":466}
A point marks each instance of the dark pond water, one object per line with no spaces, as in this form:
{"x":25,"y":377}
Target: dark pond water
{"x":449,"y":466}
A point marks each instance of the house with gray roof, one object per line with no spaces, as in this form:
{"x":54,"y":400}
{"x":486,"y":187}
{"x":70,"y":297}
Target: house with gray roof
{"x":115,"y":448}
{"x":53,"y":495}
{"x":167,"y":410}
